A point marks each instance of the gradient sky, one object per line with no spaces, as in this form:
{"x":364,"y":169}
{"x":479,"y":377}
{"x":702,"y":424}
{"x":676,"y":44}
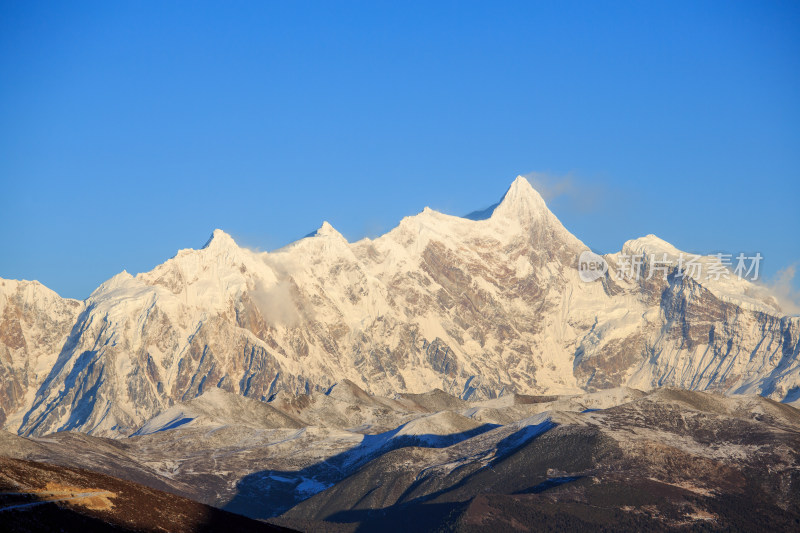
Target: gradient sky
{"x":131,"y":130}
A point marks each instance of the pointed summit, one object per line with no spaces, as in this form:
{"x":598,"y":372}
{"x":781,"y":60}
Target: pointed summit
{"x":521,"y":202}
{"x":219,"y":239}
{"x":326,"y":230}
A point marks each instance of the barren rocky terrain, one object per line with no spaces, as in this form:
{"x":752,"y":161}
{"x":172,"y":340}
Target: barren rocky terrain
{"x":346,"y":460}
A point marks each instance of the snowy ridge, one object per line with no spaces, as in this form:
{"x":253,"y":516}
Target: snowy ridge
{"x":217,"y":408}
{"x":478,"y":308}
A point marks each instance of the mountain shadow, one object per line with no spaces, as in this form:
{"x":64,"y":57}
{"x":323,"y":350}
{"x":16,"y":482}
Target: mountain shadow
{"x":269,"y":493}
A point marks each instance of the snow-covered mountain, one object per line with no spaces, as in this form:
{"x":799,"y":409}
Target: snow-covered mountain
{"x":480,"y":306}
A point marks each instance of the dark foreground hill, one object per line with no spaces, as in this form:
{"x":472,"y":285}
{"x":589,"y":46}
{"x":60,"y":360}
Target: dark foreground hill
{"x":621,"y":460}
{"x":673,"y":460}
{"x":40,"y":497}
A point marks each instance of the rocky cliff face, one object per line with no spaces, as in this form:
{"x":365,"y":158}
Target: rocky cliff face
{"x":35,"y":324}
{"x":478,"y":308}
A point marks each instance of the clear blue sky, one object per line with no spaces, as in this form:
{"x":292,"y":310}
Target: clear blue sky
{"x":131,"y":130}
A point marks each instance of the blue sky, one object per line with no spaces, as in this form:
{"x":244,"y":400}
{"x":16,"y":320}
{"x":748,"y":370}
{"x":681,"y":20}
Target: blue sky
{"x":131,"y":130}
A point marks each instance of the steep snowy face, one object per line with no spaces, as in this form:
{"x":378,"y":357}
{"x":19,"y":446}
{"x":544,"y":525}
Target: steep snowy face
{"x":142,"y":340}
{"x":523,"y":204}
{"x":35,"y":324}
{"x":478,"y":307}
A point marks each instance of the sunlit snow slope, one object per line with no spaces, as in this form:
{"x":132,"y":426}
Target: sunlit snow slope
{"x":479,"y":308}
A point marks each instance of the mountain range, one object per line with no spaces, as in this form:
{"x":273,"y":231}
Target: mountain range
{"x":479,"y":306}
{"x":455,"y":374}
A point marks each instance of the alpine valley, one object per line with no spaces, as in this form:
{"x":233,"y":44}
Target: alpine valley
{"x":453,"y":374}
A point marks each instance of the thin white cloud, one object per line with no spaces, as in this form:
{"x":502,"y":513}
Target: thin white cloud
{"x":580,"y":195}
{"x":784,"y":292}
{"x":276,"y":303}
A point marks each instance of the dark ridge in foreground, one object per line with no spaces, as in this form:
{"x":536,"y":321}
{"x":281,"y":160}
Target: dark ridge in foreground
{"x":37,"y":497}
{"x":616,"y":460}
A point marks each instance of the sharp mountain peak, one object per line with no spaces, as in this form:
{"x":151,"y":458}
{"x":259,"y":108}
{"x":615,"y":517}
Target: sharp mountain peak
{"x":219,"y":239}
{"x":327,"y":230}
{"x":521,"y":202}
